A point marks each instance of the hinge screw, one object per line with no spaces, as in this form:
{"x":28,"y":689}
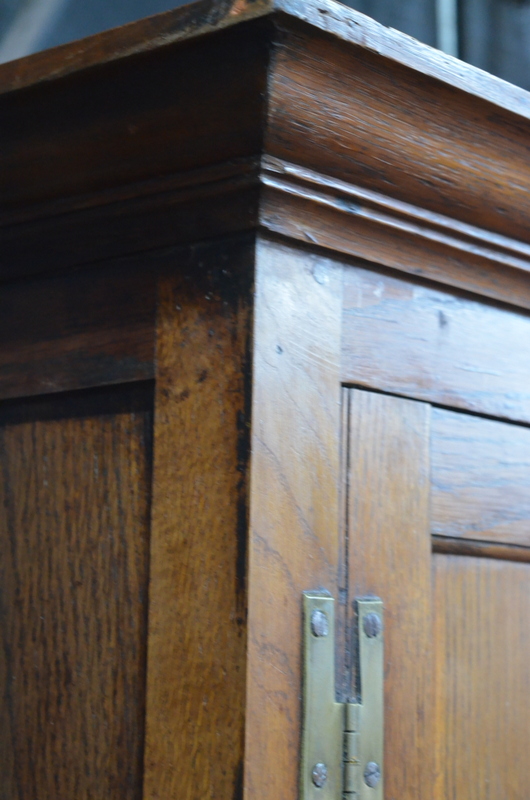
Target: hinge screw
{"x":319,"y":623}
{"x":372,"y":774}
{"x":319,"y":774}
{"x":372,"y":625}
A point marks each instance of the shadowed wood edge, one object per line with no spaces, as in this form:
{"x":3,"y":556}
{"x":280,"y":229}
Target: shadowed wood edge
{"x":466,"y":547}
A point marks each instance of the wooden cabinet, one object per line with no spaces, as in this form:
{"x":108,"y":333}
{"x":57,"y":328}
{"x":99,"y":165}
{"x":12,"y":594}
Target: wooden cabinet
{"x":263,"y":329}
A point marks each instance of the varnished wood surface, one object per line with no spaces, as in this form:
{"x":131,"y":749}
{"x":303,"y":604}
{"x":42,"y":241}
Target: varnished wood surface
{"x":480,"y":474}
{"x":314,"y":123}
{"x":419,"y":340}
{"x":74,"y":509}
{"x":198,"y":579}
{"x":389,"y":556}
{"x":182,"y":23}
{"x":294,"y":513}
{"x":76,"y":331}
{"x":121,"y":223}
{"x":481,"y":611}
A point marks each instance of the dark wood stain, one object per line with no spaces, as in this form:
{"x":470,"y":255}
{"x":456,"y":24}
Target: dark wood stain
{"x":196,"y":684}
{"x":376,"y":123}
{"x":75,"y":494}
{"x":185,"y":204}
{"x":77,"y":330}
{"x":480,"y":549}
{"x":135,"y":107}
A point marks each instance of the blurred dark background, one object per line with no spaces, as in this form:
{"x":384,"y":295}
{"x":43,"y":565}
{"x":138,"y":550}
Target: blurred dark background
{"x":491,"y":34}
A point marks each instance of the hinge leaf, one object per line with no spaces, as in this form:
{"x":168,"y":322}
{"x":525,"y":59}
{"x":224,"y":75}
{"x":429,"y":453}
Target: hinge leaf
{"x":342,"y":743}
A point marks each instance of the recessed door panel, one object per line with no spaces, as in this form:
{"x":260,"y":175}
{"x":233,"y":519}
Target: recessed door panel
{"x":482,"y":655}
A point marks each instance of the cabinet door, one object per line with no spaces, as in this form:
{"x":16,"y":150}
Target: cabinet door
{"x":439,"y":526}
{"x":391,"y":457}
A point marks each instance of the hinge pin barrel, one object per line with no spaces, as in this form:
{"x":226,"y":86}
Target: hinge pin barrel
{"x":352,"y":762}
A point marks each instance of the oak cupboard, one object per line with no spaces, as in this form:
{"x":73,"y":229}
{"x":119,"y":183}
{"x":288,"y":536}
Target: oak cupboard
{"x":264,"y":328}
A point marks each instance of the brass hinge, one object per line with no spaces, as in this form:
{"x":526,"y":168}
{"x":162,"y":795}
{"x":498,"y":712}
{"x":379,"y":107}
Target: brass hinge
{"x":342,"y":743}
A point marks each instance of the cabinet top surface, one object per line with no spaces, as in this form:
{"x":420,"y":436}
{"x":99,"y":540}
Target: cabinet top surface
{"x":205,"y":16}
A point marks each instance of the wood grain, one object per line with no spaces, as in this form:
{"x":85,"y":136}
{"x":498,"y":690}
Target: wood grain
{"x":141,"y":36}
{"x":294,"y":521}
{"x":389,"y":556}
{"x":480,"y":473}
{"x":74,"y":509}
{"x":311,"y":83}
{"x":482,"y":607}
{"x":198,"y":578}
{"x":353,"y":115}
{"x":76,"y":331}
{"x":418,"y":340}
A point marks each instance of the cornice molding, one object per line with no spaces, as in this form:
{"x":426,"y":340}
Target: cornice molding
{"x":339,"y":216}
{"x":308,"y":120}
{"x":278,"y":198}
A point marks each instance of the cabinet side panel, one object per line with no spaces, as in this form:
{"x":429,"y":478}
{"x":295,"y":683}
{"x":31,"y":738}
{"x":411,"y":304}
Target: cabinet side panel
{"x":74,"y":521}
{"x":390,"y":557}
{"x":294,"y":531}
{"x":197,"y":617}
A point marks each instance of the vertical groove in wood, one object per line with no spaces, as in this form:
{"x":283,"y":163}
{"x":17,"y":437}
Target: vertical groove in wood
{"x":344,"y":655}
{"x":197,"y":616}
{"x":482,"y":678}
{"x":389,"y":556}
{"x":74,"y":506}
{"x":294,"y":536}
